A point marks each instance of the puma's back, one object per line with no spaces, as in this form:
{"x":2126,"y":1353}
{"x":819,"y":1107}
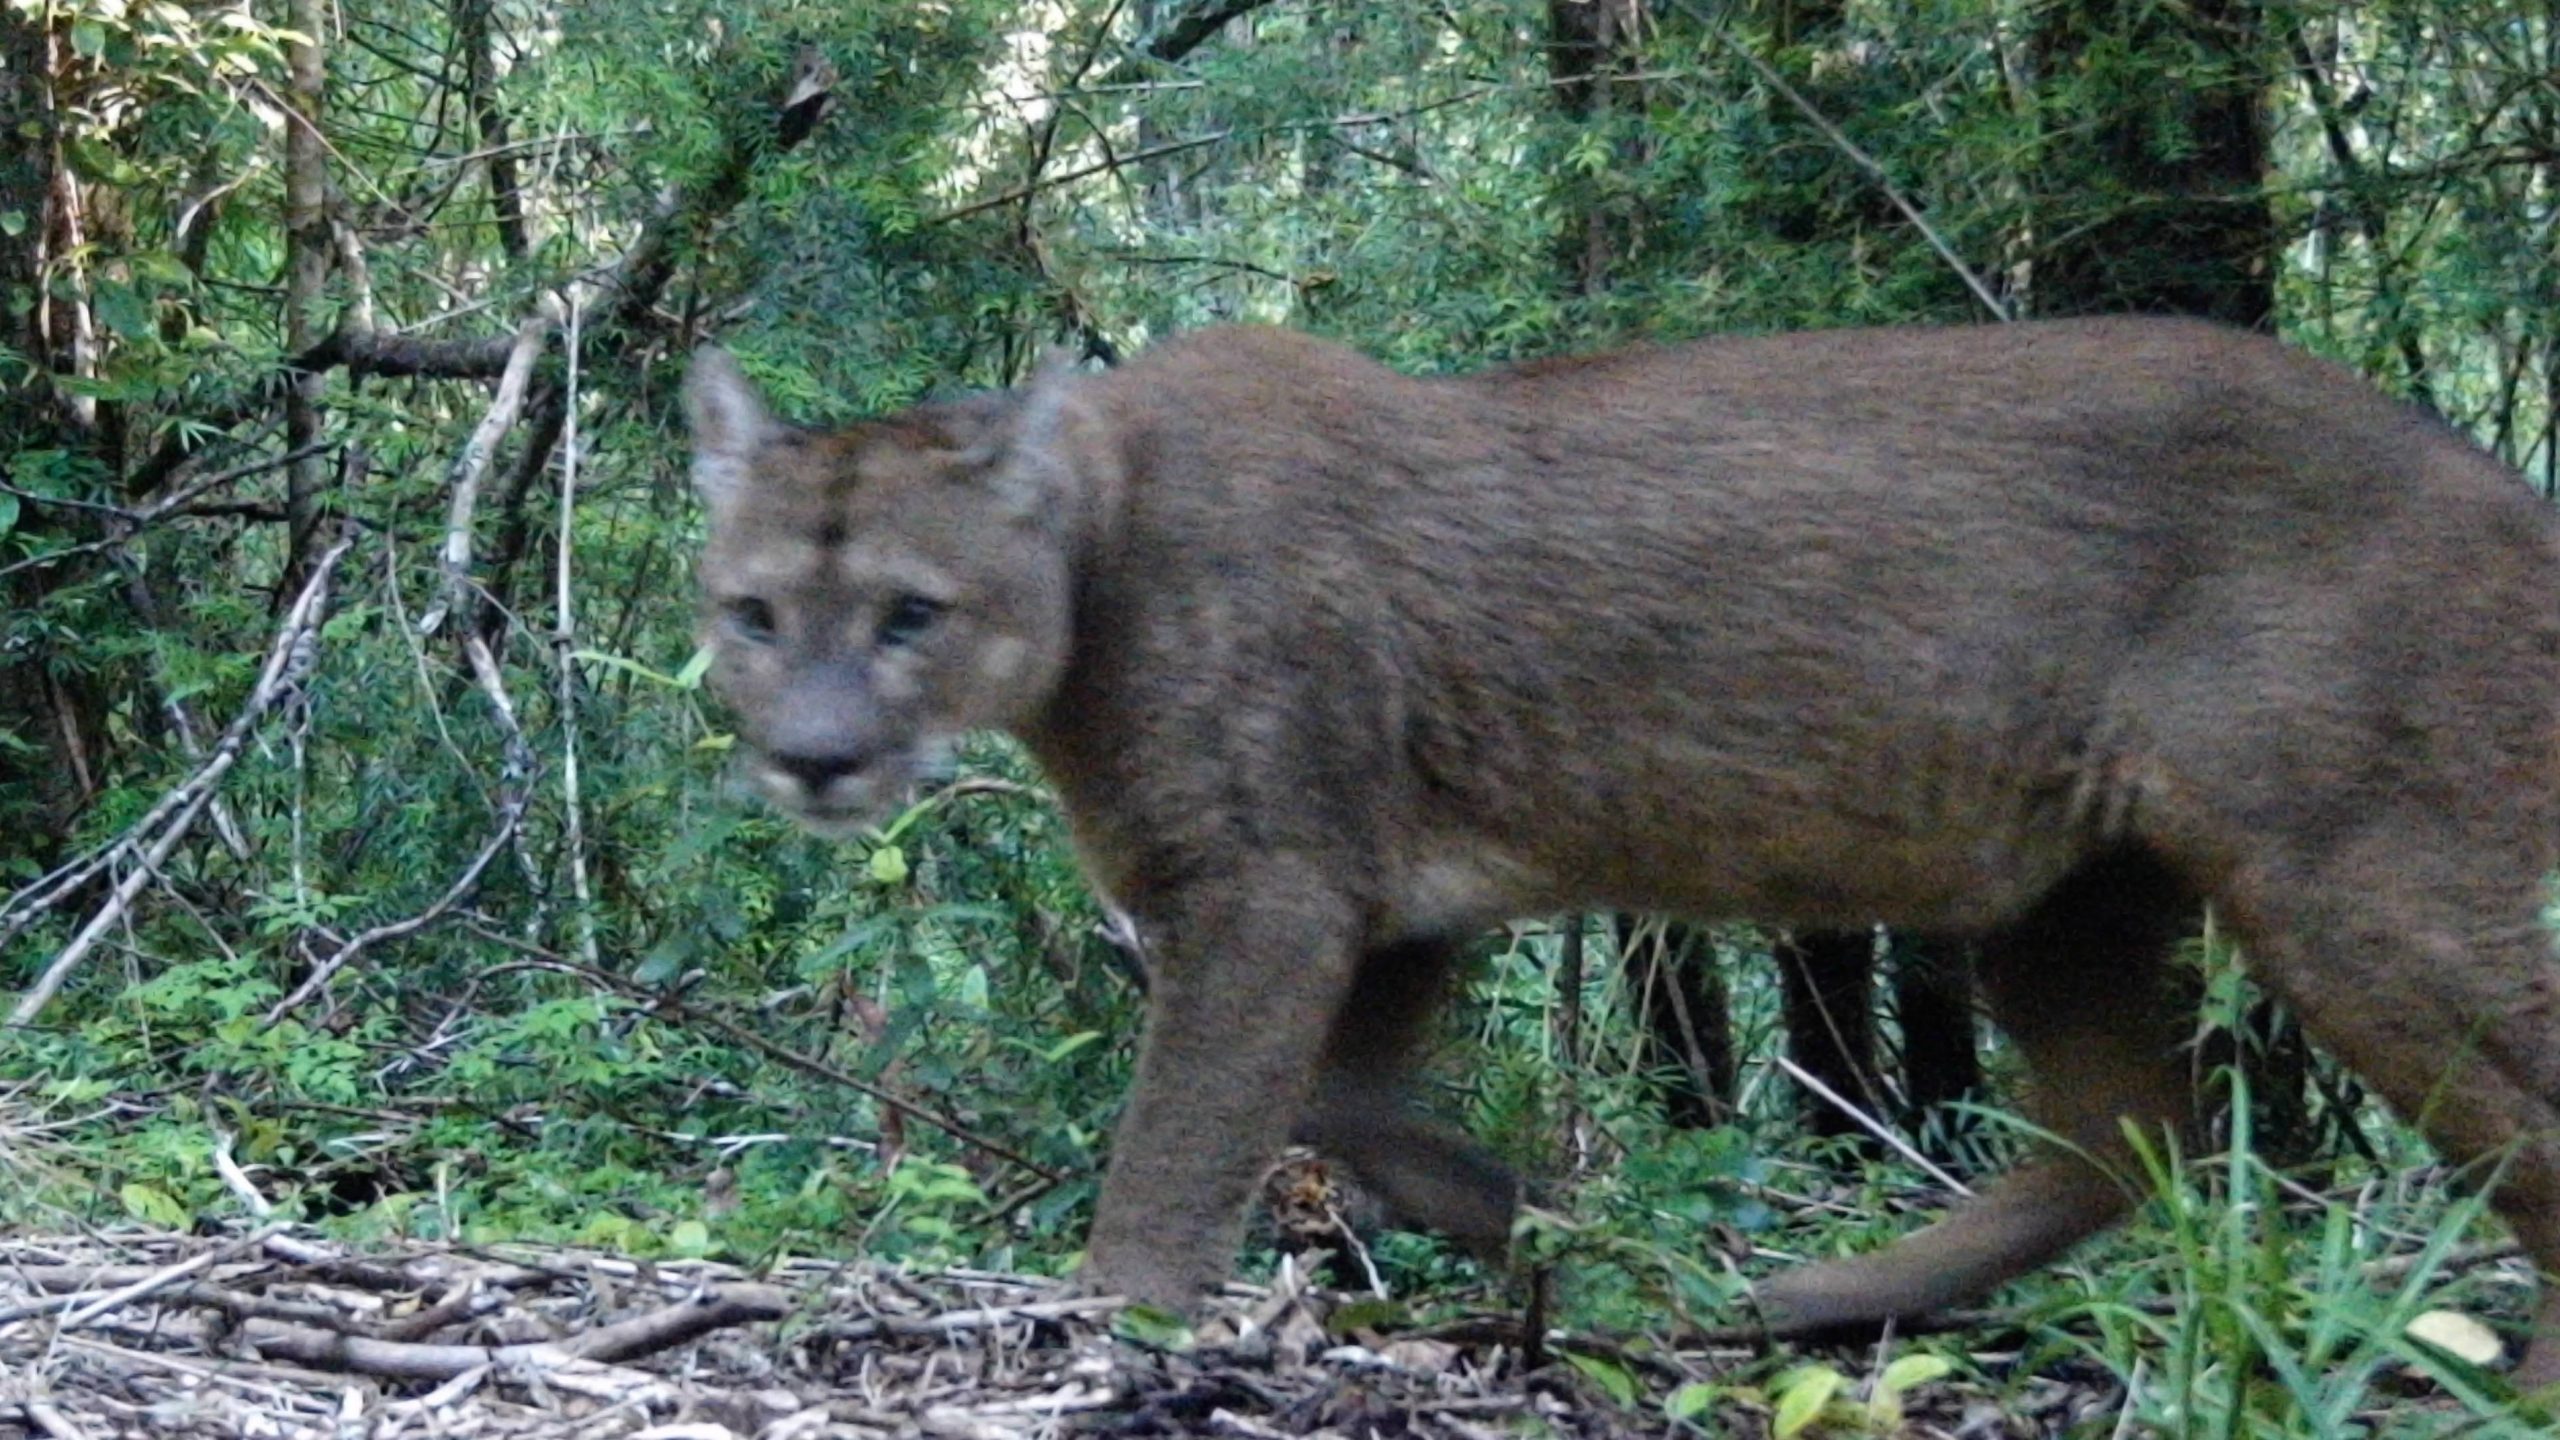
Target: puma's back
{"x":1679,"y":629}
{"x":2045,"y":634}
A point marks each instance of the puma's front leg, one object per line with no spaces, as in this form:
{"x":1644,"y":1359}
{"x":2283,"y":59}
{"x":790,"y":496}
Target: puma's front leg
{"x":1246,"y":972}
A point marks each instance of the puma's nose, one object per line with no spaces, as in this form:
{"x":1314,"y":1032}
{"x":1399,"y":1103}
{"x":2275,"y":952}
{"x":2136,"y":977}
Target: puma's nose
{"x":816,"y":769}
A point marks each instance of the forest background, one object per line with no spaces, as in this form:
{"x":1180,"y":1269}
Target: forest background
{"x":369,"y":852}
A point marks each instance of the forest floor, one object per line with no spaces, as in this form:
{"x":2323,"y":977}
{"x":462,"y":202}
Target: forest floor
{"x":274,"y":1333}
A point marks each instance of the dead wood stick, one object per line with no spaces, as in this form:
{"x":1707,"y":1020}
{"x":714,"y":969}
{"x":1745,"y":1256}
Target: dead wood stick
{"x":1873,"y":1126}
{"x":43,"y":1417}
{"x":708,"y":1310}
{"x":2452,"y":1262}
{"x":84,"y":1307}
{"x":464,"y":1301}
{"x":240,"y":1305}
{"x":956,"y":1322}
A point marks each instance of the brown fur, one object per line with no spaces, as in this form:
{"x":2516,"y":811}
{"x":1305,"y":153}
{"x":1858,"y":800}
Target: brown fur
{"x":2042,"y":634}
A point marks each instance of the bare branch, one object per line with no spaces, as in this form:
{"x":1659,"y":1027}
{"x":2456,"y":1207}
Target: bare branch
{"x":290,"y":660}
{"x":673,"y":1009}
{"x":1849,"y":150}
{"x":473,"y":463}
{"x":564,"y":644}
{"x":1872,"y":1126}
{"x":636,"y":284}
{"x":713,"y":1308}
{"x":129,"y":523}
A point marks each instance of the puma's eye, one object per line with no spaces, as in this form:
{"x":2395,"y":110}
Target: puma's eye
{"x":908,"y":617}
{"x":750,"y":619}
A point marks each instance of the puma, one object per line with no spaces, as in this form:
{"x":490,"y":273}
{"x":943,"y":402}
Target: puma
{"x":2045,"y":635}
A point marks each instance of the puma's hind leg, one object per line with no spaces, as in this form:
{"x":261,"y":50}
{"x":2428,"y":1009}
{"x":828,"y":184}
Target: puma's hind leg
{"x":2080,"y":985}
{"x":2419,"y":958}
{"x":1364,"y":1114}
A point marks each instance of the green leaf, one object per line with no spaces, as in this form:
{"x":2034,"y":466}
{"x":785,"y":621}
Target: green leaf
{"x":1616,"y":1379}
{"x":690,"y":677}
{"x":1152,"y":1326}
{"x":1069,"y":1046}
{"x":888,"y":865}
{"x":1692,"y":1400}
{"x":8,"y":513}
{"x":1914,"y":1369}
{"x":123,"y":310}
{"x":13,"y":223}
{"x":153,"y":1205}
{"x":1884,"y":1407}
{"x":1802,"y":1392}
{"x":689,"y":1237}
{"x":89,"y":39}
{"x":634,"y":667}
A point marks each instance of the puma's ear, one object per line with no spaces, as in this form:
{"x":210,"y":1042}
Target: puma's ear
{"x":1048,"y":444}
{"x":728,"y":421}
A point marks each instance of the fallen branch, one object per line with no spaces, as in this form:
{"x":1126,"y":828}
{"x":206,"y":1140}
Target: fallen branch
{"x":715,"y":1308}
{"x":84,"y":1306}
{"x":960,"y":1322}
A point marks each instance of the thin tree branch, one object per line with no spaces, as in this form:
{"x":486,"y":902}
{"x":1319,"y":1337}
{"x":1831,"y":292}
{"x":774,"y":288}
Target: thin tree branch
{"x":473,"y":463}
{"x":2364,"y":202}
{"x":1872,"y":1126}
{"x":633,"y":288}
{"x":564,"y":644}
{"x":290,"y":661}
{"x":636,"y":283}
{"x":1849,"y":150}
{"x":1019,"y":193}
{"x":671,"y":1008}
{"x":129,"y":523}
{"x":515,"y":792}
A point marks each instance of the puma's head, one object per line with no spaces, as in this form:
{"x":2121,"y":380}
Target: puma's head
{"x":871,"y":593}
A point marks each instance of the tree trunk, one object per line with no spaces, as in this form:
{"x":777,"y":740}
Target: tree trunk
{"x":1591,"y":49}
{"x":1934,"y":1007}
{"x":476,"y":34}
{"x":2174,"y":155}
{"x":1826,"y":980}
{"x":56,"y":712}
{"x":1687,"y":1016}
